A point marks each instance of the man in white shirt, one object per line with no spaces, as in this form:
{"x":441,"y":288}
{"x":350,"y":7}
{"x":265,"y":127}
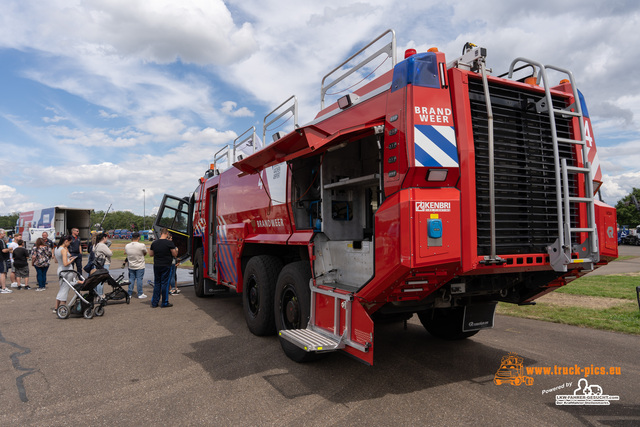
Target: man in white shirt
{"x":135,"y":256}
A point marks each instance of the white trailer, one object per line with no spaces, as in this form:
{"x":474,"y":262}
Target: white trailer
{"x":57,"y":221}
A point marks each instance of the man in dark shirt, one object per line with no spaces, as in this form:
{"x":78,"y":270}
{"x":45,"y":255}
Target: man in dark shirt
{"x":163,"y":251}
{"x":21,"y":265}
{"x":75,"y":250}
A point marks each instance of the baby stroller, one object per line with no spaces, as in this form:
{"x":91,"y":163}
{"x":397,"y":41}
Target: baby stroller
{"x":83,"y":304}
{"x":118,"y":292}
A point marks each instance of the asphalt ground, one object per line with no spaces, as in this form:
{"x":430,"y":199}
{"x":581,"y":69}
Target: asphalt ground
{"x":196,"y":363}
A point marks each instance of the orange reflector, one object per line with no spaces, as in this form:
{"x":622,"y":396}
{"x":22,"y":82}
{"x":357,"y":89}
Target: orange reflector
{"x":433,"y":49}
{"x":409,"y":52}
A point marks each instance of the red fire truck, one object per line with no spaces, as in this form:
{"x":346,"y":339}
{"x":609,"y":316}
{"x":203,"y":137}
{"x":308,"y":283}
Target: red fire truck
{"x":435,"y":188}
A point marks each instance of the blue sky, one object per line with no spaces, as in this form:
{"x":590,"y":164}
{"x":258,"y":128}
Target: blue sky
{"x":100,"y":99}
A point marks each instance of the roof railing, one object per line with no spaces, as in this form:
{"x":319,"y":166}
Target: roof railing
{"x":293,"y":109}
{"x":249,"y":141}
{"x":388,"y":49}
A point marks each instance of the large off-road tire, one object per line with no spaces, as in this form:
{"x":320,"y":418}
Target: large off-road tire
{"x":293,"y":307}
{"x":198,"y":273}
{"x":445,"y":323}
{"x":258,"y":287}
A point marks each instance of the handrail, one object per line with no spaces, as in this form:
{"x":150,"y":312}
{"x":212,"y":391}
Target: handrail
{"x":252,"y":140}
{"x":293,"y":109}
{"x":389,"y":49}
{"x":219,"y":156}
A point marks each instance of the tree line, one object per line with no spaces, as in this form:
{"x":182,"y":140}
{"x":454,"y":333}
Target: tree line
{"x":121,"y":220}
{"x":628,"y":212}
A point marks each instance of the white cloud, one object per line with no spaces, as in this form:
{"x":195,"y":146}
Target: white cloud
{"x":161,"y":31}
{"x":106,"y":115}
{"x":54,"y":119}
{"x":229,"y":108}
{"x":12,"y":201}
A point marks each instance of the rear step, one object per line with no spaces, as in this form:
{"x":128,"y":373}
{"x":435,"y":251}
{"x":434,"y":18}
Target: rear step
{"x":310,"y":340}
{"x":314,"y":338}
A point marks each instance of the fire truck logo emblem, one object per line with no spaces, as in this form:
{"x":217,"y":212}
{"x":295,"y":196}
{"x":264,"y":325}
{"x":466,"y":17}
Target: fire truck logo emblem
{"x":511,"y":371}
{"x":610,"y":232}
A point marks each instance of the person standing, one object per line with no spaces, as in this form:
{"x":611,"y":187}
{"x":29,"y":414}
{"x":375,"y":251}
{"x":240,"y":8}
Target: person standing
{"x":52,"y":247}
{"x":75,"y":250}
{"x":65,"y":263}
{"x":173,"y":275}
{"x":135,"y":256}
{"x":13,"y":244}
{"x":41,"y":258}
{"x":91,"y":260}
{"x":21,"y":265}
{"x":5,"y":263}
{"x":102,"y":255}
{"x":47,"y":241}
{"x":163,"y":251}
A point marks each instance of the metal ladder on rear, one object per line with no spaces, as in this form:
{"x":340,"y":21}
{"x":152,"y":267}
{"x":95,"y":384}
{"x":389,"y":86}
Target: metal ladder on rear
{"x":560,"y":252}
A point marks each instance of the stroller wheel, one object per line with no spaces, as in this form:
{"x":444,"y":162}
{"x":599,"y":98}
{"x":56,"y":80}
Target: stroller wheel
{"x":88,"y":313}
{"x":63,"y":312}
{"x":128,"y":298}
{"x":99,"y":311}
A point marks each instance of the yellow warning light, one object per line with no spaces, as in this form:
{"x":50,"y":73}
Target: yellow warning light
{"x":563,"y":81}
{"x":531,"y":80}
{"x":433,"y":49}
{"x":319,"y":348}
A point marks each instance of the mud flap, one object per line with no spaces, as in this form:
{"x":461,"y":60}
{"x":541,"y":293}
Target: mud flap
{"x":478,"y":316}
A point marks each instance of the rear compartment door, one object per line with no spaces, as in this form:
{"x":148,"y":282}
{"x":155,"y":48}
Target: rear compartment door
{"x":175,"y":214}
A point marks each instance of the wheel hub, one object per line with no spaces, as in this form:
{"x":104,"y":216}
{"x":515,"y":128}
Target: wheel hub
{"x":254,"y":298}
{"x":292,"y":312}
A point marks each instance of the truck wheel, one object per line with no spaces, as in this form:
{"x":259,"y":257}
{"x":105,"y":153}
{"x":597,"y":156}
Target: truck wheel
{"x":293,"y":307}
{"x":445,"y":323}
{"x":258,"y":286}
{"x":198,"y":274}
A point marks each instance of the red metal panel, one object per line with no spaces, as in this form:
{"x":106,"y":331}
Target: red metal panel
{"x":300,"y":238}
{"x":458,"y":81}
{"x":606,"y":221}
{"x":443,"y":204}
{"x":395,"y":142}
{"x":361,"y":332}
{"x":430,"y":107}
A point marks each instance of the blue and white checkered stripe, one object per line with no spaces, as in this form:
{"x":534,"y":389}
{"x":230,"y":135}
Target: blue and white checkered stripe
{"x":436,"y":146}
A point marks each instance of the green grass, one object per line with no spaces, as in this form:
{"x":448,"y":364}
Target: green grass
{"x":625,"y":257}
{"x":610,"y":286}
{"x":623,"y":318}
